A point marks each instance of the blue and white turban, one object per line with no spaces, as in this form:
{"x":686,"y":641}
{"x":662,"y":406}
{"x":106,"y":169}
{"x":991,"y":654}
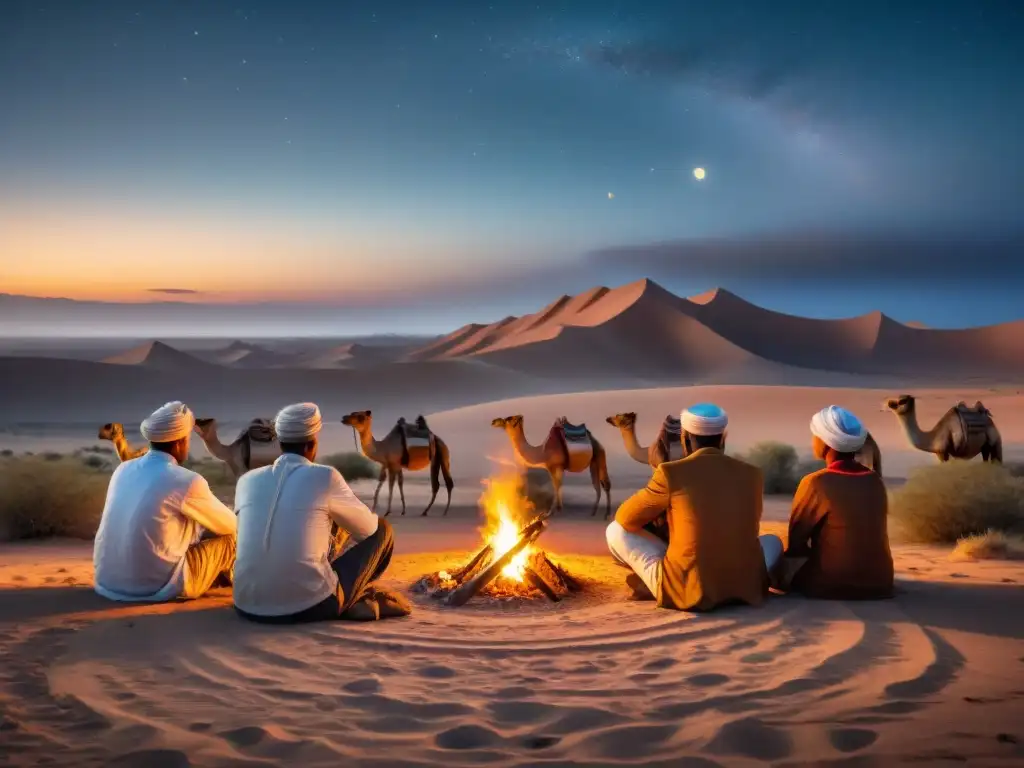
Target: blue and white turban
{"x":704,"y":419}
{"x":839,"y":429}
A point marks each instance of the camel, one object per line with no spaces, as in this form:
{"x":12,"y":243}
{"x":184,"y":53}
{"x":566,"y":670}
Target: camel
{"x":404,"y":447}
{"x":667,"y":446}
{"x":114,"y":432}
{"x":568,"y":448}
{"x":963,"y":432}
{"x":255,"y":446}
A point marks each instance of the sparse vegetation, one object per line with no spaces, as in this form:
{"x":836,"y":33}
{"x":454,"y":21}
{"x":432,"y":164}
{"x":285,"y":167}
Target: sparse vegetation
{"x":6,"y":453}
{"x":781,"y":466}
{"x":42,"y":496}
{"x":991,"y":545}
{"x":943,"y":503}
{"x":353,"y":466}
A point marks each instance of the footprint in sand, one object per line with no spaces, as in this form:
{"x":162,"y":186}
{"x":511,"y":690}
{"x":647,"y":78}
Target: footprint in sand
{"x":436,"y":672}
{"x":152,"y":758}
{"x":708,"y":680}
{"x":629,"y":742}
{"x":758,"y":658}
{"x":363,"y":685}
{"x":467,"y":737}
{"x":540,"y":742}
{"x":852,"y":739}
{"x":750,"y":737}
{"x":659,"y":664}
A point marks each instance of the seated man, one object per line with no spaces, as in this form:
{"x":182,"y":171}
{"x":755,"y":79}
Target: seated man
{"x":713,"y":507}
{"x":163,"y":533}
{"x":284,"y":573}
{"x":838,"y":538}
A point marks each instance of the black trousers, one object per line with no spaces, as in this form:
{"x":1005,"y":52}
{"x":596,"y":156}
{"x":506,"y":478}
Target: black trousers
{"x":357,"y":569}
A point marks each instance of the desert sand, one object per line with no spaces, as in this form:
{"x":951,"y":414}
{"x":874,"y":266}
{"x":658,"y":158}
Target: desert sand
{"x":935,"y":675}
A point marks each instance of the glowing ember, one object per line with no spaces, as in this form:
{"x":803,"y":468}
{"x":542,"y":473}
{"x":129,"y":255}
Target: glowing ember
{"x":505,"y":508}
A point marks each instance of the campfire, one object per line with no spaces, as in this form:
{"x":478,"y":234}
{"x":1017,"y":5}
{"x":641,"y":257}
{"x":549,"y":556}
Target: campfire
{"x":509,"y":564}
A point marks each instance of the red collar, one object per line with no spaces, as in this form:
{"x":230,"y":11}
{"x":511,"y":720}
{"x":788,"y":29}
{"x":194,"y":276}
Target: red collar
{"x":848,"y":467}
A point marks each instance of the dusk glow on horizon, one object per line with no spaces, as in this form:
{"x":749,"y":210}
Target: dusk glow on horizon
{"x":330,"y":152}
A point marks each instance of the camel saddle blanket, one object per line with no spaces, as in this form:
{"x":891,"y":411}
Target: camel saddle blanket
{"x":259,"y":443}
{"x":670,"y":439}
{"x":974,"y":423}
{"x":575,"y":440}
{"x":415,"y":436}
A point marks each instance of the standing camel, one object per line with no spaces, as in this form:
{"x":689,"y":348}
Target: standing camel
{"x":404,"y":447}
{"x":558,"y":457}
{"x":255,"y":446}
{"x":962,"y":432}
{"x":114,"y":432}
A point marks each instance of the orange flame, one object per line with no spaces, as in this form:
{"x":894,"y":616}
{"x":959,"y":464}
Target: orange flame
{"x":506,"y":509}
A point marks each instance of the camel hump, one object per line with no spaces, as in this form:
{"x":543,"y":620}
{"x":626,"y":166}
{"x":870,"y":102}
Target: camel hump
{"x":260,"y":431}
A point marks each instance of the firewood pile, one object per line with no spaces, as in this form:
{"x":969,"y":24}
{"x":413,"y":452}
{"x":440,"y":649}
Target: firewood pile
{"x":486,"y":574}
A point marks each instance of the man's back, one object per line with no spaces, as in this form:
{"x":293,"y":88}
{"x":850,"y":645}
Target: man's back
{"x":143,"y":535}
{"x":843,"y":510}
{"x":714,"y":514}
{"x":284,"y":535}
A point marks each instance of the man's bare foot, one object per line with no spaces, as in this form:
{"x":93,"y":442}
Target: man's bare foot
{"x":391,"y":604}
{"x":640,"y":590}
{"x":364,"y":609}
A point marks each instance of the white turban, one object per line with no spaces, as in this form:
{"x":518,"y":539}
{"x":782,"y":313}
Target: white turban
{"x":298,"y":423}
{"x":704,"y":419}
{"x":170,"y":422}
{"x":839,"y":429}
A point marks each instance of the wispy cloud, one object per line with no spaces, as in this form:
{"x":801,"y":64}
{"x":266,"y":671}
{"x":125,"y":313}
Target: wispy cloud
{"x":174,"y":291}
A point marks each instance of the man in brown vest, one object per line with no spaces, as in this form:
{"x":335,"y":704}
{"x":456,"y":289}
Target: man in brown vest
{"x":713,"y":505}
{"x":838,"y":539}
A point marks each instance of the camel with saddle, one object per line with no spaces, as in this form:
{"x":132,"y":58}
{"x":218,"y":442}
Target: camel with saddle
{"x":407,"y":446}
{"x":255,"y":446}
{"x":963,"y":432}
{"x":568,"y":448}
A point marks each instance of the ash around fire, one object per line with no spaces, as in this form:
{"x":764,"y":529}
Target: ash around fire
{"x":539,"y":577}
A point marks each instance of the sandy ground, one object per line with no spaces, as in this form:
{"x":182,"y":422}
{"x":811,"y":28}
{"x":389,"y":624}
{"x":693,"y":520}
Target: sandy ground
{"x":934,"y":676}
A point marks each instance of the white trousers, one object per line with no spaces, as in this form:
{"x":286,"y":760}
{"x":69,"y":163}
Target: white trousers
{"x":643,"y":552}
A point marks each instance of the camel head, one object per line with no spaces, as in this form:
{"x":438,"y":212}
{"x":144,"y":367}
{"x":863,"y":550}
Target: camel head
{"x":509,"y":422}
{"x":206,"y":428}
{"x":110,"y":431}
{"x":901,"y":405}
{"x":358,"y":419}
{"x":622,"y":420}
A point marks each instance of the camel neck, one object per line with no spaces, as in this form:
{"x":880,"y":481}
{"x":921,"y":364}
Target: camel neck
{"x":530,"y":454}
{"x":633,"y":447}
{"x":917,"y":437}
{"x":366,"y":441}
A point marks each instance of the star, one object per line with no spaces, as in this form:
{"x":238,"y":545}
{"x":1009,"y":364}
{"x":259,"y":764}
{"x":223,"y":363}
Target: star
{"x":244,"y":61}
{"x":195,"y":33}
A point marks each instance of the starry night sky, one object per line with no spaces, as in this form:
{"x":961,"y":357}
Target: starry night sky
{"x":359,"y":152}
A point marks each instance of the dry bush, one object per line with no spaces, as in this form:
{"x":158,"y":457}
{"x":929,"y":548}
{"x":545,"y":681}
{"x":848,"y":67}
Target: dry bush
{"x":991,"y":545}
{"x":1015,"y":468}
{"x":40,"y":497}
{"x":782,"y":468}
{"x":353,"y":466}
{"x":945,"y":502}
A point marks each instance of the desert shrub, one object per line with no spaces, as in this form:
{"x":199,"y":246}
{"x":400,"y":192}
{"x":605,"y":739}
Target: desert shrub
{"x":95,"y":461}
{"x":6,"y":453}
{"x":991,"y":545}
{"x":945,"y":502}
{"x":1015,"y":468}
{"x":353,"y":466}
{"x":97,"y":449}
{"x":53,"y":456}
{"x":42,"y":497}
{"x":780,"y":465}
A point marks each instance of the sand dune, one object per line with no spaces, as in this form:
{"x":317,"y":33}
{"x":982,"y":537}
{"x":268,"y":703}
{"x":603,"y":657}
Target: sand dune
{"x":930,"y":677}
{"x":645,"y":321}
{"x":156,"y":355}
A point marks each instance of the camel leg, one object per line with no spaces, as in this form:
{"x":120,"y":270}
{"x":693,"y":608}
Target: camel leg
{"x":446,"y":473}
{"x":435,"y":483}
{"x":380,"y":484}
{"x":595,"y":479}
{"x":391,"y":489}
{"x":606,"y":483}
{"x":401,"y":489}
{"x":557,"y":473}
{"x":996,"y":452}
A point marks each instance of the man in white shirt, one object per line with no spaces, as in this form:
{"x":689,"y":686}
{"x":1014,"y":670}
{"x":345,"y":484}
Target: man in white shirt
{"x":163,"y":534}
{"x":284,"y":573}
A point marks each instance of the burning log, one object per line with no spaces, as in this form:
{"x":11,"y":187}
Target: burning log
{"x":469,"y":567}
{"x":465,"y":591}
{"x":538,"y":581}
